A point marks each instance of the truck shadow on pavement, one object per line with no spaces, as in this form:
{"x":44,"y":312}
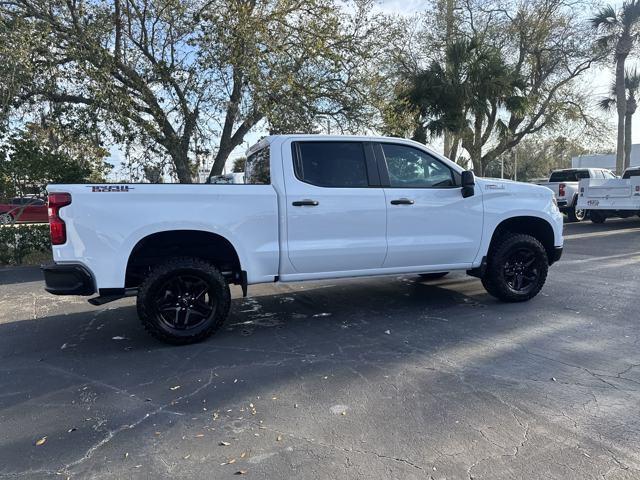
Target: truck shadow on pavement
{"x":443,"y":363}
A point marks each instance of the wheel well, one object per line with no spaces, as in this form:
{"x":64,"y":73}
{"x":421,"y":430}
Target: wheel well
{"x":158,"y":247}
{"x":534,"y":226}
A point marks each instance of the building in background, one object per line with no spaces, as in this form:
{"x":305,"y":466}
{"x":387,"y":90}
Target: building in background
{"x":605,"y":160}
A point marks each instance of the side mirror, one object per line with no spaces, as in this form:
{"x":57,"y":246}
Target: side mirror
{"x":468,"y":183}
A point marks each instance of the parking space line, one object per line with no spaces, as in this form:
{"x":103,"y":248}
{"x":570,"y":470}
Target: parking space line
{"x":576,"y":236}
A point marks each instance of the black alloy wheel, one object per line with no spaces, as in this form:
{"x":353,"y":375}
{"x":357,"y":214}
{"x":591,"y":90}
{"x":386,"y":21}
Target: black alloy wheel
{"x":184,"y":302}
{"x":520,"y":272}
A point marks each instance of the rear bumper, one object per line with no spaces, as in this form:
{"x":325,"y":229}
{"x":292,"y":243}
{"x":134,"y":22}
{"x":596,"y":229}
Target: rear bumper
{"x":556,"y":255}
{"x":68,"y":279}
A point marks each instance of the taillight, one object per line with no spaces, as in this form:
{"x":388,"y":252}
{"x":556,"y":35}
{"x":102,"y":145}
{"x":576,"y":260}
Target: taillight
{"x":561,"y":188}
{"x":57,"y":226}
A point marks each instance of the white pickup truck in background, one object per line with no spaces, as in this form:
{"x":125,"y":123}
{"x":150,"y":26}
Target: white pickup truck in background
{"x":619,"y":197}
{"x":564,"y":184}
{"x":313,"y":207}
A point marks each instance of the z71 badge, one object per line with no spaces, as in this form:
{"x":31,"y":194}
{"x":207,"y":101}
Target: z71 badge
{"x":110,"y":188}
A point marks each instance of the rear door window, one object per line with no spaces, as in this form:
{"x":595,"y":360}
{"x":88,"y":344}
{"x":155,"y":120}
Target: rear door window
{"x":257,"y":168}
{"x":331,"y":164}
{"x":631,"y":173}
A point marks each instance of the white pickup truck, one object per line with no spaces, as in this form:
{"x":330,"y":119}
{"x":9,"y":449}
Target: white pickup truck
{"x":564,"y":184}
{"x":619,"y":197}
{"x":313,"y":207}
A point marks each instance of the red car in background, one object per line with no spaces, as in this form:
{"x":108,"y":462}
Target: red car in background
{"x":24,"y":209}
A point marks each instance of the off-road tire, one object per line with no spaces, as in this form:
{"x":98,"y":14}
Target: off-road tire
{"x":494,"y":280}
{"x":149,"y":291}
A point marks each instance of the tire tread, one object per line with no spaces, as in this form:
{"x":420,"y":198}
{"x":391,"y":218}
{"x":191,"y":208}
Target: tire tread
{"x":165,"y":268}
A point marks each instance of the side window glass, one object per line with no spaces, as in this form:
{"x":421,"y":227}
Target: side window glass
{"x":257,"y":168}
{"x":412,"y":168}
{"x":331,"y":164}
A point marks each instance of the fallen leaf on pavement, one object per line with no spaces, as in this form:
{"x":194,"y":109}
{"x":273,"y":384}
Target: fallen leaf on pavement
{"x":41,"y":441}
{"x":240,"y":472}
{"x":279,"y":438}
{"x":224,"y":444}
{"x":174,"y":388}
{"x":118,"y":337}
{"x":233,"y":460}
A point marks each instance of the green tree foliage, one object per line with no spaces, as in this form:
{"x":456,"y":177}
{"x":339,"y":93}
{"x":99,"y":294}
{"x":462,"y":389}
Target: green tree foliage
{"x":510,"y":73}
{"x":181,"y":72}
{"x":619,"y":30}
{"x":536,"y":157}
{"x":465,"y":91}
{"x":27,"y":167}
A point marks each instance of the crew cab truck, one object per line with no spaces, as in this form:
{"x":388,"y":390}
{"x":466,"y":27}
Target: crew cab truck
{"x":618,"y":197}
{"x":313,"y":207}
{"x":564,"y":184}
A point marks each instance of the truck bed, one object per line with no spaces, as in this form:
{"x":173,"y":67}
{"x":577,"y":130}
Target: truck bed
{"x":105,"y":222}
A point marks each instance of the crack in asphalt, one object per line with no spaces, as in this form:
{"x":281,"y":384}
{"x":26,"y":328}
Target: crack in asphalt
{"x":113,"y":433}
{"x":337,"y":447}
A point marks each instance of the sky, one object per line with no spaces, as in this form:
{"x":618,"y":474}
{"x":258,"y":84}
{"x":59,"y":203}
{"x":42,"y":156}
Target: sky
{"x":597,"y":82}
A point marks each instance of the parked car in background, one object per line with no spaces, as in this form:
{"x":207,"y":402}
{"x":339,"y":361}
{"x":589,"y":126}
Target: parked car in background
{"x":564,"y":185}
{"x":619,"y":197}
{"x":24,"y":210}
{"x":312,"y":207}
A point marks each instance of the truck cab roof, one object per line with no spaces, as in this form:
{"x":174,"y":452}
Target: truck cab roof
{"x":269,"y":139}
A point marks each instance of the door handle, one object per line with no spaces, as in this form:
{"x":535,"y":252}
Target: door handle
{"x":402,"y":201}
{"x":306,"y":203}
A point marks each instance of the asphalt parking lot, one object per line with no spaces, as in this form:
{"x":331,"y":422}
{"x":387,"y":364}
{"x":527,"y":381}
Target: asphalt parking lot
{"x":389,"y":378}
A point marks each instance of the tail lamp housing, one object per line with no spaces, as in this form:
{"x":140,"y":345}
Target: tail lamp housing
{"x":561,"y":189}
{"x":57,"y":227}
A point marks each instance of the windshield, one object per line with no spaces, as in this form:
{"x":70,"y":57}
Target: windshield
{"x":568,"y":175}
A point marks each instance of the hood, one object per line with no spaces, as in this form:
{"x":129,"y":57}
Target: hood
{"x":489,"y":185}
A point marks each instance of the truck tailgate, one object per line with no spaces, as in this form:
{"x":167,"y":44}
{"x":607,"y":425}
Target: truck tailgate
{"x":610,"y":194}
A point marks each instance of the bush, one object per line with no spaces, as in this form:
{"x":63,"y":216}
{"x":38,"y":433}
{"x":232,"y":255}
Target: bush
{"x":20,"y":242}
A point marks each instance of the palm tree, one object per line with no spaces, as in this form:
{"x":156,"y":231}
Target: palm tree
{"x":632,"y":85}
{"x":462,"y":95}
{"x":619,"y":34}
